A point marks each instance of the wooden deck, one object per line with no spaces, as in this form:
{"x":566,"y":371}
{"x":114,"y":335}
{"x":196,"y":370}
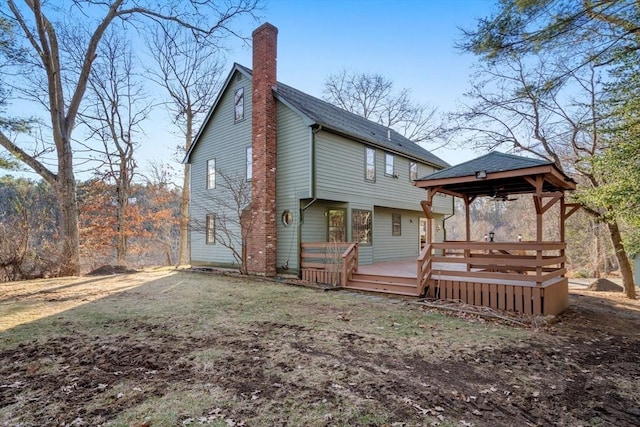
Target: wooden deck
{"x":526,"y":280}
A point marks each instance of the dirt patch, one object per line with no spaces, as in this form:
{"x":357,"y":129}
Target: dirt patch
{"x":107,"y":270}
{"x":605,"y":285}
{"x":263,"y":369}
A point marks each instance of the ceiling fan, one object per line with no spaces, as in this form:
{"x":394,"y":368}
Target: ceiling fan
{"x":501,"y":197}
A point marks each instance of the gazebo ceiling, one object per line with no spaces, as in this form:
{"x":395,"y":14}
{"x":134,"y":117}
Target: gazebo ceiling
{"x":498,"y":175}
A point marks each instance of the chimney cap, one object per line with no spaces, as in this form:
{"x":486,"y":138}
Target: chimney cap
{"x":265,"y":27}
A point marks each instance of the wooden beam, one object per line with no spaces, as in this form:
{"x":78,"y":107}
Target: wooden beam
{"x":426,"y":207}
{"x":572,"y":208}
{"x":537,"y":182}
{"x":555,"y":196}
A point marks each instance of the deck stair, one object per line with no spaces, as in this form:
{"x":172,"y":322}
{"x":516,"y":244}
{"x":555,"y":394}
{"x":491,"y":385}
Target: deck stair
{"x":381,"y":283}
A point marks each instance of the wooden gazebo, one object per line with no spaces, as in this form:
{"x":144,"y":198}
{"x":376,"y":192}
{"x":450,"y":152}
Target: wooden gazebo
{"x":524,"y":276}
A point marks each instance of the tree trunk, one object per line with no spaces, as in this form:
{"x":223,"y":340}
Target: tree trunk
{"x":122,"y":199}
{"x":121,"y":244}
{"x":183,"y":252}
{"x":68,"y":225}
{"x":623,"y":260}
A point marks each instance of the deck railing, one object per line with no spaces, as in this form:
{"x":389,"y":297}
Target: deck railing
{"x":349,"y":263}
{"x":425,"y":263}
{"x":511,"y":261}
{"x":323,"y":262}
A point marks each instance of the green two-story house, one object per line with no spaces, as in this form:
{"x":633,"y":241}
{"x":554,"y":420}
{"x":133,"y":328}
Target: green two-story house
{"x":311,"y":171}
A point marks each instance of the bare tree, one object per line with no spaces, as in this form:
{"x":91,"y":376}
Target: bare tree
{"x":372,"y":97}
{"x":65,"y":85}
{"x":191,"y":75}
{"x":516,"y":106}
{"x":115,"y":112}
{"x":230,"y":205}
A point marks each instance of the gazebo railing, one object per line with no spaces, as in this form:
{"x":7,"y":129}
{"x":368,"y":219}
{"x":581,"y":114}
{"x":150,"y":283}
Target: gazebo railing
{"x":526,"y":262}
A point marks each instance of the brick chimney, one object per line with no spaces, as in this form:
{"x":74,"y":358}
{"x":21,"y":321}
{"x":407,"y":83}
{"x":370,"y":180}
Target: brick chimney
{"x":261,"y":244}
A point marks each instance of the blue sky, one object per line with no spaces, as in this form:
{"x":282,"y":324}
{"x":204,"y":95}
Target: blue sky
{"x":411,"y":42}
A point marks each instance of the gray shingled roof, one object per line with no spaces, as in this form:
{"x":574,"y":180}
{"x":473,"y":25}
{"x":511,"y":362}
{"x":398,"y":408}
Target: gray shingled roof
{"x":341,"y":121}
{"x":491,"y":163}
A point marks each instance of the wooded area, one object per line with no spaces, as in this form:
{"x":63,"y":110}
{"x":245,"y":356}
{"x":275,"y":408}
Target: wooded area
{"x":555,"y":79}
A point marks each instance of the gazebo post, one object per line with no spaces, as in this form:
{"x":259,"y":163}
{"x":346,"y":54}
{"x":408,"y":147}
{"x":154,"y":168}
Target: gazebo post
{"x":467,"y":221}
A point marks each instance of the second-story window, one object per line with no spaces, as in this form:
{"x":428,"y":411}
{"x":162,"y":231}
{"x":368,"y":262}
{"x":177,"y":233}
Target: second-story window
{"x":211,"y":174}
{"x":370,"y":164}
{"x":249,"y":163}
{"x":413,"y":171}
{"x":238,"y":104}
{"x":388,"y":164}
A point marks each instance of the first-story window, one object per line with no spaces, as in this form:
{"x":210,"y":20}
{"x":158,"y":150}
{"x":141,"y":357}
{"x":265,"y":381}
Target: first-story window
{"x":388,"y":164}
{"x":211,"y":174}
{"x":361,"y":226}
{"x":396,"y":224}
{"x":249,"y":163}
{"x":370,"y":164}
{"x":337,"y":226}
{"x":210,"y":236}
{"x":413,"y":171}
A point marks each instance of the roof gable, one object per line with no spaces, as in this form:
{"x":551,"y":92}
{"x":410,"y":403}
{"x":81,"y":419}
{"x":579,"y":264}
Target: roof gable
{"x":315,"y":111}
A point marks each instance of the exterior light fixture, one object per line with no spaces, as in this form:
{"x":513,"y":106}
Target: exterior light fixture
{"x":481,"y":174}
{"x":491,"y":236}
{"x":519,"y":237}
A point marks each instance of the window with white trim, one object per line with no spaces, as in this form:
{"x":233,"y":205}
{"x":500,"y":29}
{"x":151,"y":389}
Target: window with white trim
{"x":211,"y":174}
{"x":388,"y":164}
{"x":413,"y":171}
{"x":370,"y":164}
{"x":249,"y":163}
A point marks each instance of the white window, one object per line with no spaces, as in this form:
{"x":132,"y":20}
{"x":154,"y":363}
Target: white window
{"x":249,"y":163}
{"x":370,"y":164}
{"x":413,"y":171}
{"x":238,"y":104}
{"x":211,"y":174}
{"x":388,"y":164}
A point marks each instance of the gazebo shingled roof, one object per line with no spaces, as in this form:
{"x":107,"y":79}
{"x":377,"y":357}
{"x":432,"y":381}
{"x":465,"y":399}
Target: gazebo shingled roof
{"x":497,"y":174}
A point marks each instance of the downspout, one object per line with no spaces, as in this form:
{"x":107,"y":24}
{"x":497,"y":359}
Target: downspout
{"x":312,"y":185}
{"x":312,"y":171}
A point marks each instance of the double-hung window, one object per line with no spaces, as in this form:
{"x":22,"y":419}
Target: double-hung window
{"x":396,"y":224}
{"x":370,"y":164}
{"x":413,"y":171}
{"x":388,"y":164}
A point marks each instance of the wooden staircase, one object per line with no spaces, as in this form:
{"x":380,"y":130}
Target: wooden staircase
{"x":379,"y":283}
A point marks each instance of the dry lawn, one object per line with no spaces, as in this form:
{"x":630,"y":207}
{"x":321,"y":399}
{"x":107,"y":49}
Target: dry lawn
{"x":165,"y":348}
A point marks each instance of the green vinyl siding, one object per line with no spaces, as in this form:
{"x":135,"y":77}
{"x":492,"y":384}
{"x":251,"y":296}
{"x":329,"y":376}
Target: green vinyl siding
{"x":340,"y":175}
{"x":292,"y":183}
{"x":389,"y":247}
{"x":225,"y":140}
